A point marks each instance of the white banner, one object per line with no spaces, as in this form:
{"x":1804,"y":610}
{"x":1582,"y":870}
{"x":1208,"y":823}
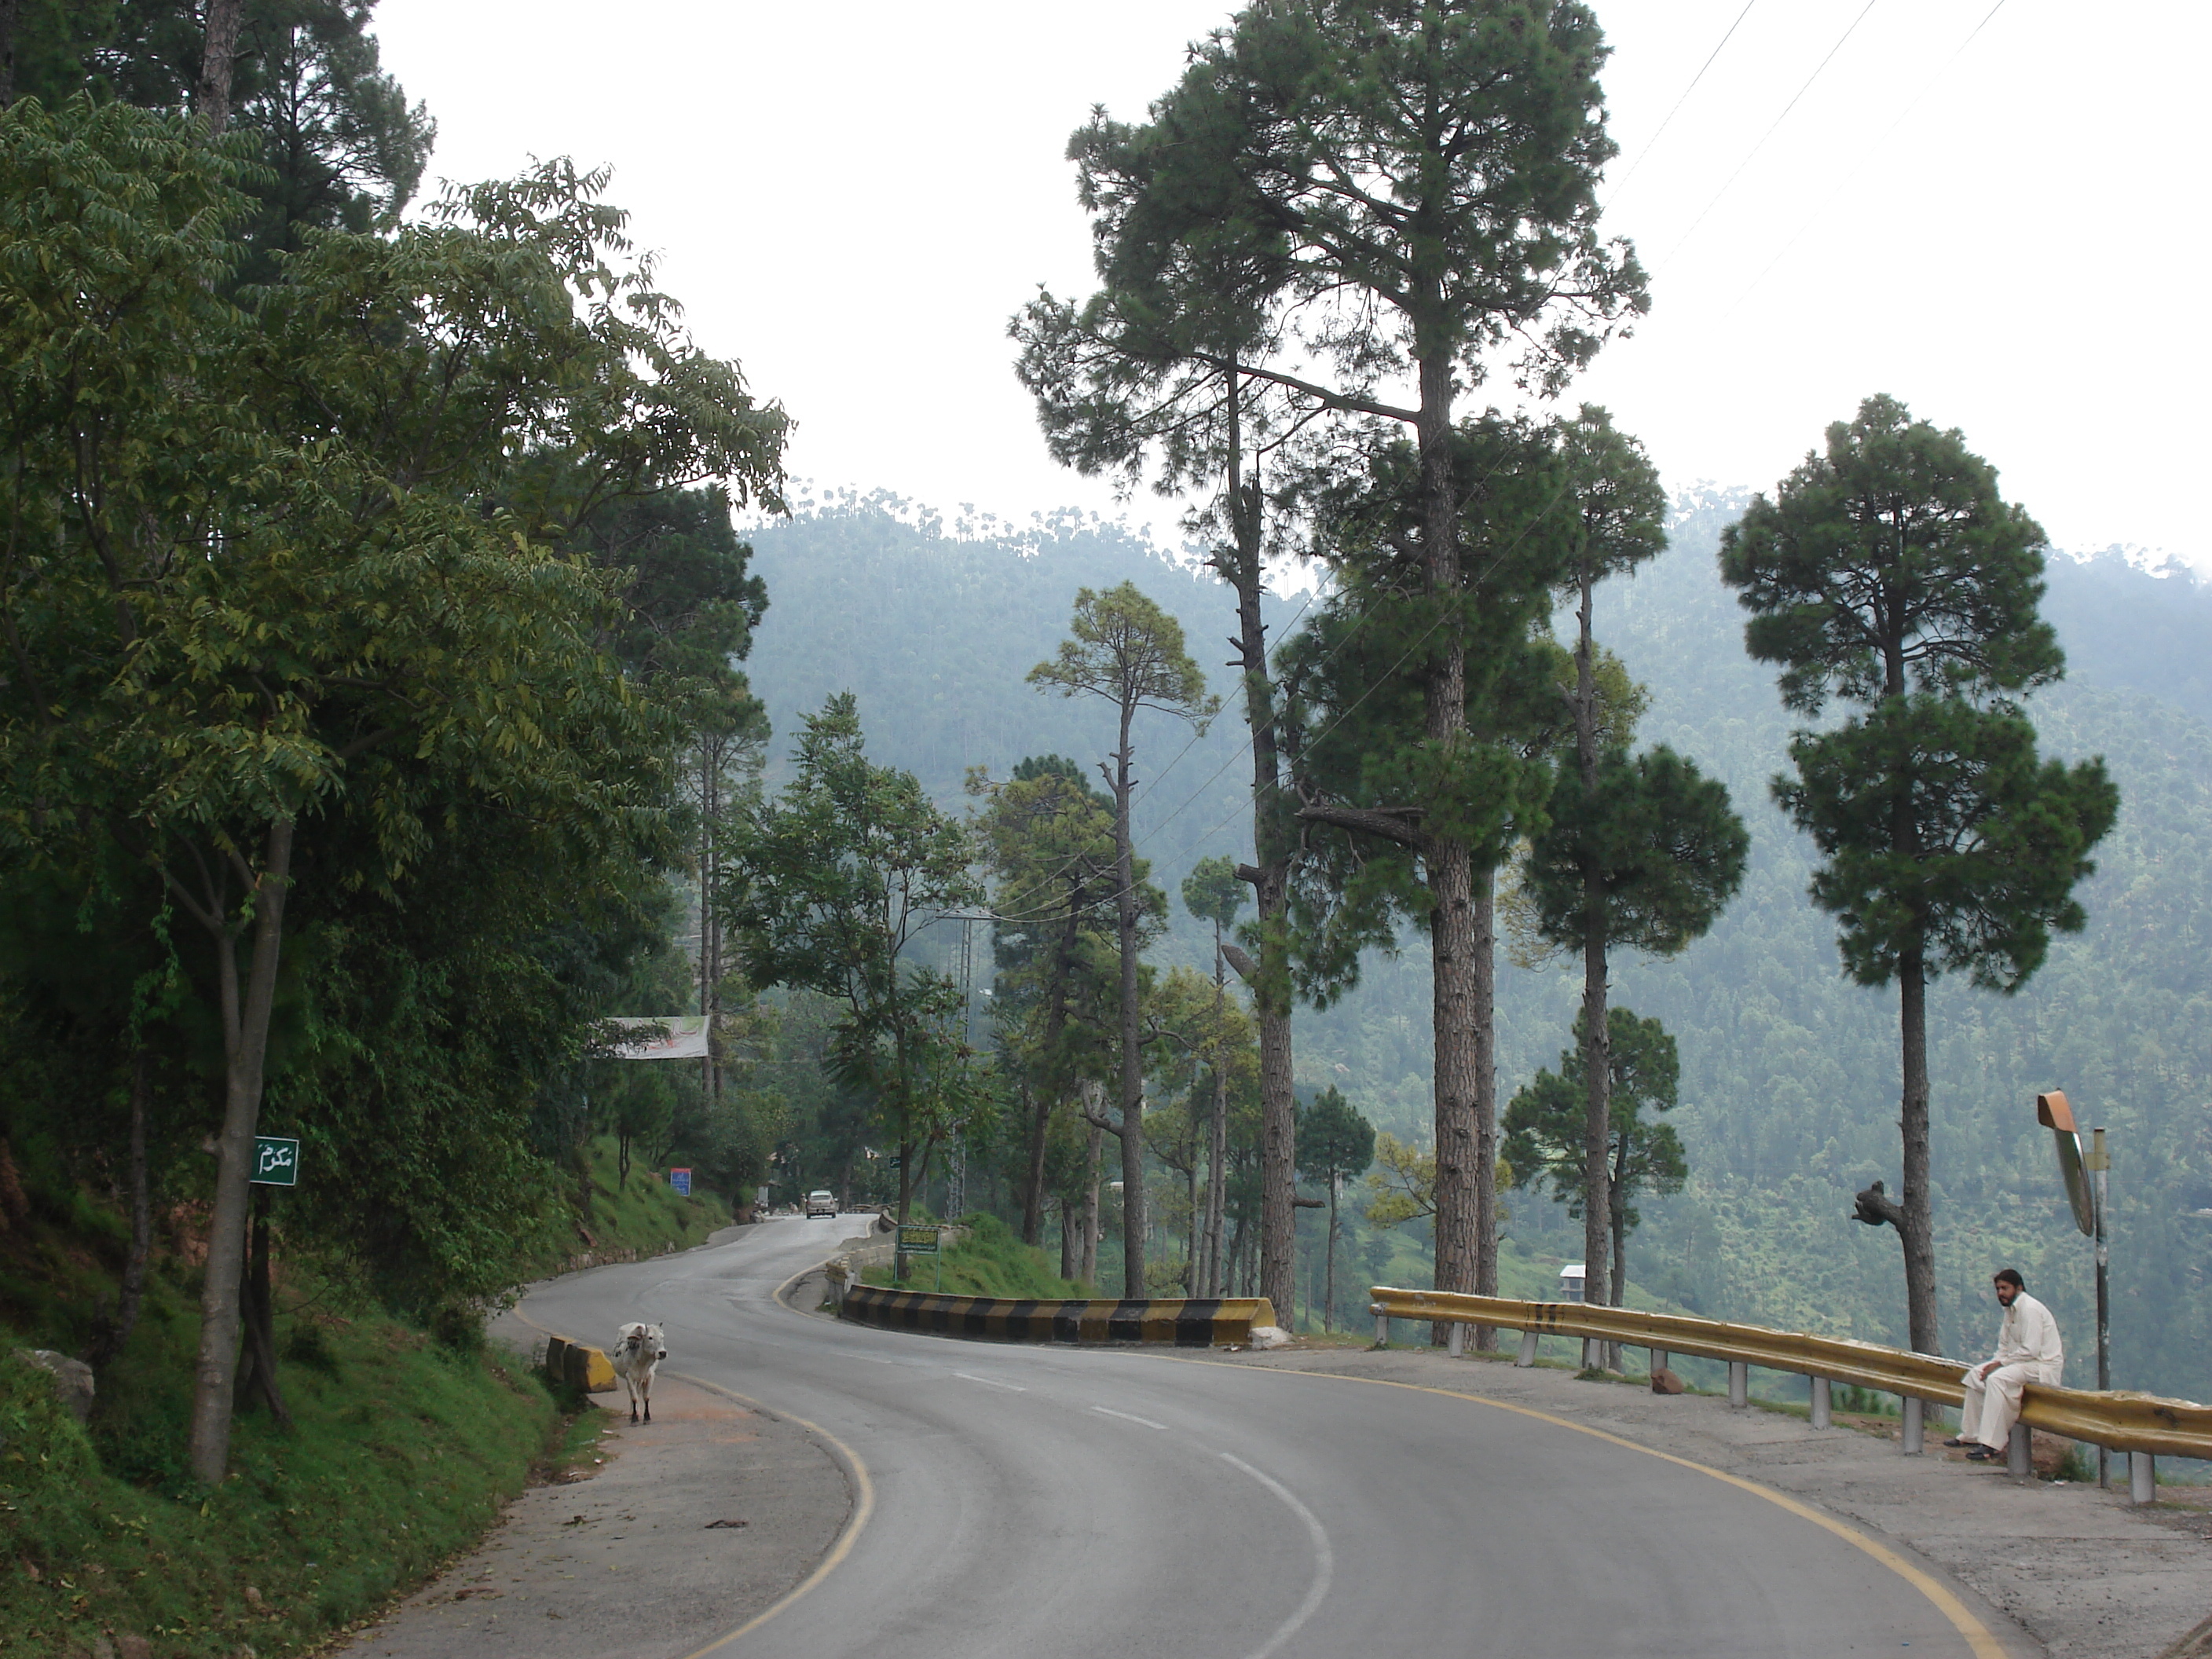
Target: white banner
{"x":678,"y":1036}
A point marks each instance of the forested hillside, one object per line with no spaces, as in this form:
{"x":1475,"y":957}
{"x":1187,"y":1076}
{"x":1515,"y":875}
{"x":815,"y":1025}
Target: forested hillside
{"x":1789,"y":1071}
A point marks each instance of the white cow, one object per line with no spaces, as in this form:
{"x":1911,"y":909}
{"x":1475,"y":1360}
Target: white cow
{"x":638,"y":1353}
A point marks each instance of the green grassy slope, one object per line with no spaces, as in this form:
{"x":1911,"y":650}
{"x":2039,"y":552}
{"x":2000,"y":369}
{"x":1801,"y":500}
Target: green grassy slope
{"x":990,"y":1261}
{"x":645,"y":1213}
{"x":400,"y":1454}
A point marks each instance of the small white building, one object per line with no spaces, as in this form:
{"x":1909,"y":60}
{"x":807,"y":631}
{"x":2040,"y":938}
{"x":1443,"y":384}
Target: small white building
{"x":1570,"y":1282}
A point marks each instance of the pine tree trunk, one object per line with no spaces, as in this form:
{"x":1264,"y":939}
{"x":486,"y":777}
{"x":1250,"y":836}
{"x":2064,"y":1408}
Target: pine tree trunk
{"x":1617,"y":1199}
{"x":7,"y":52}
{"x":1095,"y":1161}
{"x":1598,"y":1045}
{"x":246,"y":1012}
{"x":1458,"y":1015}
{"x":1240,"y":565}
{"x":1485,"y":1098}
{"x":1133,"y":1219}
{"x":1216,"y":1162}
{"x":1328,"y":1281}
{"x":1918,"y":1226}
{"x":220,"y":56}
{"x":1039,"y":1114}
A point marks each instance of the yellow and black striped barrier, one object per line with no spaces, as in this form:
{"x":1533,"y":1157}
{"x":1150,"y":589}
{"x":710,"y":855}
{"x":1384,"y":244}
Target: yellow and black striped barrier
{"x":1182,"y":1323}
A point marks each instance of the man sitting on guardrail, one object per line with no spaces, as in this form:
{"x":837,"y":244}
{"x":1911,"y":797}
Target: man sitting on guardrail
{"x":2029,"y":1351}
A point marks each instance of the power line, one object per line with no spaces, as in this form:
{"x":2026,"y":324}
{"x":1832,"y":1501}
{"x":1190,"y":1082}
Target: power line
{"x":1865,"y":156}
{"x":1751,"y":153}
{"x":1652,"y":143}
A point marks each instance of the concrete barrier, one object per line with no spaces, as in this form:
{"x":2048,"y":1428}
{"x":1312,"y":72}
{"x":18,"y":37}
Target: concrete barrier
{"x":1192,"y":1322}
{"x":578,"y":1365}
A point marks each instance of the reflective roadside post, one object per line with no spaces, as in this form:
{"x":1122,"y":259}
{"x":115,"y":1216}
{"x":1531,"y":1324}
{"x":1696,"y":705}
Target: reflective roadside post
{"x":2083,"y":1175}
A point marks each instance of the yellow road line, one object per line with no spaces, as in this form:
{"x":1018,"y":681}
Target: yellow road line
{"x":864,"y":1493}
{"x":1978,"y":1638}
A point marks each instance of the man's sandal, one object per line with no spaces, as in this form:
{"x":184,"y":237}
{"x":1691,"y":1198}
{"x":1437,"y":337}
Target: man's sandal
{"x":1983,"y":1455}
{"x":1955,"y":1441}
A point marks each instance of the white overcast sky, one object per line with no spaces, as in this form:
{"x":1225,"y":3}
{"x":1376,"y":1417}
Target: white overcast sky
{"x":852,"y":199}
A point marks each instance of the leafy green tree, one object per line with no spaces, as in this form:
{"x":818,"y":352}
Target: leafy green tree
{"x":1049,"y":840}
{"x":826,"y":887}
{"x":1888,"y":573}
{"x":369,"y":638}
{"x":1394,"y":820}
{"x":1336,"y":1144}
{"x":1544,"y":1128}
{"x":1129,"y":651}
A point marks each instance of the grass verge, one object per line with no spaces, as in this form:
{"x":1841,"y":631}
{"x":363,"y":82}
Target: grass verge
{"x":401,"y":1453}
{"x":988,"y":1261}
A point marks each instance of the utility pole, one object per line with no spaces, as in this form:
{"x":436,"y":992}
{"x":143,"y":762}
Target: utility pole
{"x":2098,"y":1164}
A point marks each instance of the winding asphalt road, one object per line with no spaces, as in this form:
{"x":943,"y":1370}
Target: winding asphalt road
{"x":1013,"y":1502}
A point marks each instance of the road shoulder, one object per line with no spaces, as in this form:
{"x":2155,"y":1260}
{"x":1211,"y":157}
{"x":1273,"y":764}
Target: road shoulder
{"x":698,"y":1521}
{"x":2076,"y":1569}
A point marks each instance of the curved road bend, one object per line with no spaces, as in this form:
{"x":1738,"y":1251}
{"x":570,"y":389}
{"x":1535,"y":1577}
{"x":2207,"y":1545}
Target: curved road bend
{"x":1034,"y":1503}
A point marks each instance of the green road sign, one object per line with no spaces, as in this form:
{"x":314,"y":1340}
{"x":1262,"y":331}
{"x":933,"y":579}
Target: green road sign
{"x":917,"y":1239}
{"x":276,"y":1161}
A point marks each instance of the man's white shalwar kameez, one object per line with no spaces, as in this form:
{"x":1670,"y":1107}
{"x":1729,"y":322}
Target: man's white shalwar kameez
{"x":2029,"y":1351}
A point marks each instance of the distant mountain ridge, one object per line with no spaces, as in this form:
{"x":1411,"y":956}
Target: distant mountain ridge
{"x":1789,"y":1072}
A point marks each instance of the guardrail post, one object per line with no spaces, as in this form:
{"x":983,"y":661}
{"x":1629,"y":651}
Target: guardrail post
{"x":2143,"y":1477}
{"x":1658,"y":1361}
{"x":1820,"y":1418}
{"x":1528,"y":1354}
{"x":2020,"y":1452}
{"x":1381,"y":1328}
{"x":1458,"y":1340}
{"x":1915,"y":1411}
{"x":1739,"y":1382}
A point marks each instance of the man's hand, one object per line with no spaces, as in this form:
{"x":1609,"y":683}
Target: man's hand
{"x":1987,"y":1367}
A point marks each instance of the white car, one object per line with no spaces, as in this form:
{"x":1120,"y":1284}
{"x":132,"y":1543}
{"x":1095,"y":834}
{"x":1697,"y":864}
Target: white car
{"x":820,"y":1201}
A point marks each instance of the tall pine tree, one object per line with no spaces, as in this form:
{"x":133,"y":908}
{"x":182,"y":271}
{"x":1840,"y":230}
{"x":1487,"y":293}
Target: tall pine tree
{"x":1887,"y":572}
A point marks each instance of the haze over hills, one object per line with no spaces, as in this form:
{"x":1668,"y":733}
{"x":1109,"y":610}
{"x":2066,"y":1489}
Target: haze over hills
{"x":1789,"y":1071}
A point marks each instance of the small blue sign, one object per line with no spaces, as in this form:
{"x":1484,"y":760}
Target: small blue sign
{"x":681,"y":1180}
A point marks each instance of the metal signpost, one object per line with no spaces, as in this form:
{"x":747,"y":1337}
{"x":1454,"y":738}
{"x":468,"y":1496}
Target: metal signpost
{"x":919,"y":1238}
{"x":2083,"y":1173}
{"x":276,"y":1162}
{"x":681,"y":1180}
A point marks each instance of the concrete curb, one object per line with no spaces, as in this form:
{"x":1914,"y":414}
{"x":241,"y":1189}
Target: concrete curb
{"x":1193,"y":1323}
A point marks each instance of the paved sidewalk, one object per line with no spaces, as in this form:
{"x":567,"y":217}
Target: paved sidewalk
{"x":2078,"y":1569}
{"x":631,"y":1561}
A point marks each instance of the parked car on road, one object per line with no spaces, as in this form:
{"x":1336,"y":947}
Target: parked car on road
{"x":820,"y":1201}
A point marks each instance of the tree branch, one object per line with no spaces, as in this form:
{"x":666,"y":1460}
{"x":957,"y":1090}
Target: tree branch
{"x":1393,"y":824}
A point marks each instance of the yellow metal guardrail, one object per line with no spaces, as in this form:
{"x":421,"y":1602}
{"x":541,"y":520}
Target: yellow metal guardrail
{"x":2126,"y":1422}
